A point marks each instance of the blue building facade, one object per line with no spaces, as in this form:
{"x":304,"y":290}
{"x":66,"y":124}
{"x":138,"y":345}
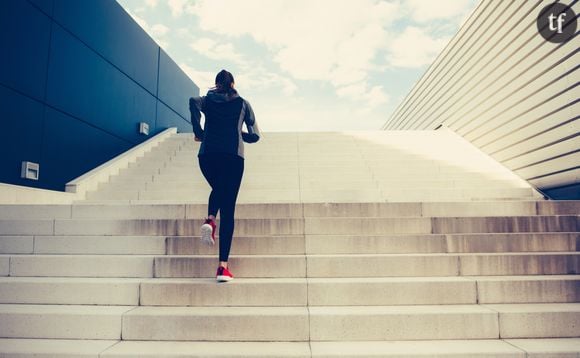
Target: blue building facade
{"x":76,"y":79}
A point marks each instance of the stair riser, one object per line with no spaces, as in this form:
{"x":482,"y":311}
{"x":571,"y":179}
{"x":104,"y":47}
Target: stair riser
{"x":438,"y":243}
{"x":62,"y":293}
{"x":267,"y":327}
{"x":359,"y":327}
{"x":344,"y":210}
{"x":211,"y":294}
{"x":153,"y":227}
{"x":539,"y":324}
{"x":63,"y":325}
{"x":528,"y":291}
{"x":79,"y":266}
{"x":267,"y":245}
{"x":273,"y":266}
{"x":540,"y":264}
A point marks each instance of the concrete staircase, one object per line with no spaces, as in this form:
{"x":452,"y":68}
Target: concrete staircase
{"x":347,"y":245}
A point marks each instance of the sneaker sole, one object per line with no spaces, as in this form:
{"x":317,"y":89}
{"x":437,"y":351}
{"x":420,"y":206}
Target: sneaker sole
{"x":206,"y":232}
{"x":224,"y":278}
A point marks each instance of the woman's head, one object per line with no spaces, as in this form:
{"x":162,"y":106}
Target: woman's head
{"x":224,"y":82}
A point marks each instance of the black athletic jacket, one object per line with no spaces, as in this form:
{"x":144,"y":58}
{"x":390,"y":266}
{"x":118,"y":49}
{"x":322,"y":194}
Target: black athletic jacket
{"x":224,"y":117}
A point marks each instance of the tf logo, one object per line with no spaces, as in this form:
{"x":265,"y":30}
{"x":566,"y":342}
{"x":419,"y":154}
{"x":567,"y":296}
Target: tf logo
{"x":557,"y":22}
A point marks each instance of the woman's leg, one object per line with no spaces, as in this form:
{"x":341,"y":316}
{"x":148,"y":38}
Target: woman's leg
{"x":233,"y":170}
{"x":211,"y":171}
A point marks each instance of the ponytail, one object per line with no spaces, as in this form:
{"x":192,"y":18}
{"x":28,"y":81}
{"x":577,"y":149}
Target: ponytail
{"x":223,"y":82}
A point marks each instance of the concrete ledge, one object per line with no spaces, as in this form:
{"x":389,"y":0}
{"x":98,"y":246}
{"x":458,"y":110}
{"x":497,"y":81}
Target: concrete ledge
{"x":90,"y":180}
{"x":35,"y":211}
{"x":16,"y":194}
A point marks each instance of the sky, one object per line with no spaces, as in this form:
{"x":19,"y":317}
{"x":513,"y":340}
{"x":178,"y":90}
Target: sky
{"x":307,"y":65}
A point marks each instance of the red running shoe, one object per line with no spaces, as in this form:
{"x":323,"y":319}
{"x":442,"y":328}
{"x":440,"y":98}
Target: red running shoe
{"x":223,"y":275}
{"x":208,"y":232}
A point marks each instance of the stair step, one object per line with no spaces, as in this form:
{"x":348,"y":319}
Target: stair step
{"x":240,"y":292}
{"x":528,"y":289}
{"x":522,"y":320}
{"x":510,"y":348}
{"x":177,"y":227}
{"x":439,"y":243}
{"x":81,"y":265}
{"x":444,"y":322}
{"x":241,"y":245}
{"x":29,"y":348}
{"x":100,"y":245}
{"x":442,"y":290}
{"x":248,"y":266}
{"x":383,"y":265}
{"x":345,"y":210}
{"x":69,"y":291}
{"x":61,"y":321}
{"x":209,"y":324}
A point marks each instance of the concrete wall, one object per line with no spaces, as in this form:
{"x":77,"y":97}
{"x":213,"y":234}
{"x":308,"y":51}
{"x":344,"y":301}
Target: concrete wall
{"x":76,"y":78}
{"x":508,"y":91}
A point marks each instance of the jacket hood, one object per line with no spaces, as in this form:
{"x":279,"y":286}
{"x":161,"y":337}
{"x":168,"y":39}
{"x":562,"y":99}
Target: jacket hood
{"x":220,"y":97}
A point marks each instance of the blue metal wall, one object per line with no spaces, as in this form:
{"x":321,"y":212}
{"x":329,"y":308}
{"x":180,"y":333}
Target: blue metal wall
{"x":76,"y":78}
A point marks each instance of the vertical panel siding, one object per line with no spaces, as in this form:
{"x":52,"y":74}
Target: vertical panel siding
{"x":76,"y":79}
{"x":508,"y":91}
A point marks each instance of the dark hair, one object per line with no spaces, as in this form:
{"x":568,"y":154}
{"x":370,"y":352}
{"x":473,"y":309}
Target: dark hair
{"x":223,"y":82}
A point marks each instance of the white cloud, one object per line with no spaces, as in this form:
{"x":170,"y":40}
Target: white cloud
{"x":203,"y":79}
{"x":415,"y":48}
{"x":177,"y":7}
{"x":254,"y":80}
{"x":217,"y":51}
{"x":311,"y":40}
{"x":427,"y":10}
{"x":159,"y":30}
{"x":259,"y":79}
{"x":151,"y":3}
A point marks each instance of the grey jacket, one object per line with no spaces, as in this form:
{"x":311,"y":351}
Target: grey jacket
{"x":224,"y":118}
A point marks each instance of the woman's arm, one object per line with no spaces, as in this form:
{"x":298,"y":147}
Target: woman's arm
{"x":196,"y":106}
{"x":253,"y":134}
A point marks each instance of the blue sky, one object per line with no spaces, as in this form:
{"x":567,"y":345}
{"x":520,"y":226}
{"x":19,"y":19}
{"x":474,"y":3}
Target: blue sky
{"x":307,"y":65}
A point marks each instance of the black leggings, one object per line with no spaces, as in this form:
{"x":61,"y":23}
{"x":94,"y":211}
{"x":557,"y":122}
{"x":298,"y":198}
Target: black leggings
{"x":224,"y":173}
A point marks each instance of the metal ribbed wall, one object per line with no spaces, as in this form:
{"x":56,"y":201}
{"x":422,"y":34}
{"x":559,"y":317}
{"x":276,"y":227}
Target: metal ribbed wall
{"x":507,"y":90}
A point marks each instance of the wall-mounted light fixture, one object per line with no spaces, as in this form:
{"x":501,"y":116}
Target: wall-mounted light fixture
{"x":144,"y":128}
{"x":30,"y":170}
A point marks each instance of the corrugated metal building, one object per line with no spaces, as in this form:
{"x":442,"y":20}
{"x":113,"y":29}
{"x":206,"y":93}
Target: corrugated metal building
{"x":507,"y":90}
